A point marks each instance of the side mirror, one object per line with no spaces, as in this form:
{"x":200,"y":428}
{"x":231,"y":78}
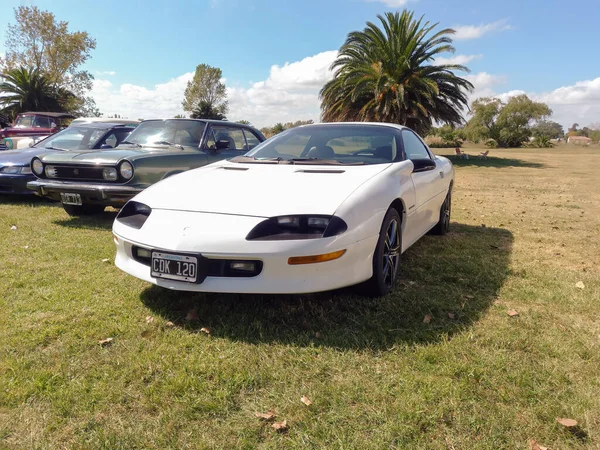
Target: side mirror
{"x":423,"y":165}
{"x":105,"y":146}
{"x":222,"y":144}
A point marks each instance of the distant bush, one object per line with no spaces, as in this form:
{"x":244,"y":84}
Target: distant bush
{"x":439,"y":142}
{"x":491,"y":143}
{"x":541,"y":142}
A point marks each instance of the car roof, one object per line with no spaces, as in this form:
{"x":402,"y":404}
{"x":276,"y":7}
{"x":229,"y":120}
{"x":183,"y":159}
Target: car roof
{"x":380,"y":124}
{"x":211,"y":121}
{"x":49,"y":114}
{"x":102,"y":125}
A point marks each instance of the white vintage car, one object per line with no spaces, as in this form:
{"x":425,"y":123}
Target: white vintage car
{"x":312,"y":209}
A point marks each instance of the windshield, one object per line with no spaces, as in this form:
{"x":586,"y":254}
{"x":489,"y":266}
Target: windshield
{"x":161,"y":132}
{"x":83,"y":138}
{"x":333,"y":144}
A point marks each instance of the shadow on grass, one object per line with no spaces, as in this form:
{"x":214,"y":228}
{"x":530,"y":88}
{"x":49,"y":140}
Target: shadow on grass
{"x":457,"y":276}
{"x":102,"y":221}
{"x":492,"y":161}
{"x":26,"y":200}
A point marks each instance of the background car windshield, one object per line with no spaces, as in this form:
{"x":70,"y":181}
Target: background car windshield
{"x":75,"y":138}
{"x":182,"y":132}
{"x":348,"y":144}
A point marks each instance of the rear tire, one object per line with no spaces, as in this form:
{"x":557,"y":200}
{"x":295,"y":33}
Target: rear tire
{"x":386,"y":259}
{"x":83,"y":210}
{"x":443,"y":225}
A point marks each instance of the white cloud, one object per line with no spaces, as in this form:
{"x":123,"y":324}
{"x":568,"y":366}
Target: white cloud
{"x":457,"y":59}
{"x":484,"y":84}
{"x":464,"y":32}
{"x":392,"y":3}
{"x":105,"y":72}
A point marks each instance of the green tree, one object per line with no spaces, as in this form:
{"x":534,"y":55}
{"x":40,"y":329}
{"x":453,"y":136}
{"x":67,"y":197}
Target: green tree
{"x":28,"y":90}
{"x":205,"y":110}
{"x":179,"y":116}
{"x":277,"y":128}
{"x":547,"y":129}
{"x":244,"y":122}
{"x":509,"y":124}
{"x":206,"y":92}
{"x":40,"y":43}
{"x":387,"y":74}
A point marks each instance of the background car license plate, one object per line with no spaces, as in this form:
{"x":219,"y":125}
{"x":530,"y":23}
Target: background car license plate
{"x":174,"y":266}
{"x":70,"y":199}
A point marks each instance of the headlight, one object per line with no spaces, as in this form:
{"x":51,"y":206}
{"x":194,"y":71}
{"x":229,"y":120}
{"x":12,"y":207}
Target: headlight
{"x":134,"y":214}
{"x":109,"y":173}
{"x":51,"y":172}
{"x":297,"y":227}
{"x":37,"y":166}
{"x":126,"y":170}
{"x":26,"y":170}
{"x":12,"y":170}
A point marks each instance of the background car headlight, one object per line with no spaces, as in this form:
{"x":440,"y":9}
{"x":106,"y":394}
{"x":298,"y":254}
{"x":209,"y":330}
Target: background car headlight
{"x":126,"y":170}
{"x":51,"y":172}
{"x":37,"y":166}
{"x":12,"y":170}
{"x":26,"y":170}
{"x":297,"y":227}
{"x":109,"y":173}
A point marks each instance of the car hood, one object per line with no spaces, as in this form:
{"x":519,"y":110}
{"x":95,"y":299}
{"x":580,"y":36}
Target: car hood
{"x":22,"y":157}
{"x":261,"y":190}
{"x":108,"y":156}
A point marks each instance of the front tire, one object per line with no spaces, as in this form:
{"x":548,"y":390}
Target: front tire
{"x":386,"y":259}
{"x":443,"y":225}
{"x":83,"y":210}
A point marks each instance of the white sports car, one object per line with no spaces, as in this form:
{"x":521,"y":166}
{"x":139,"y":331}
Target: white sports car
{"x":312,"y":209}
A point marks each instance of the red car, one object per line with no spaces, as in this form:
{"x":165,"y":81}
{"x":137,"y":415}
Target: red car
{"x":36,"y":124}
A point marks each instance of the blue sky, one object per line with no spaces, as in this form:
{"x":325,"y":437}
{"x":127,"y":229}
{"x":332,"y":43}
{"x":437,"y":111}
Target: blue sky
{"x":275,"y":54}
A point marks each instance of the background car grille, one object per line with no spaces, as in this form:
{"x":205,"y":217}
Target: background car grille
{"x":79,"y":172}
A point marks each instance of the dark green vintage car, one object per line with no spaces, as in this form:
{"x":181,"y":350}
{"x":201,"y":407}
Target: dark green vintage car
{"x":86,"y":182}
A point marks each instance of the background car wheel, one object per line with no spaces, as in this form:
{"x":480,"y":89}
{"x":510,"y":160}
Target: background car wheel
{"x":386,"y":260}
{"x":83,"y":210}
{"x":443,"y":226}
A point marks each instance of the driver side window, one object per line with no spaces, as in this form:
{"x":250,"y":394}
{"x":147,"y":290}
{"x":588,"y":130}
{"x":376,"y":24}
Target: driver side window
{"x":413,"y":147}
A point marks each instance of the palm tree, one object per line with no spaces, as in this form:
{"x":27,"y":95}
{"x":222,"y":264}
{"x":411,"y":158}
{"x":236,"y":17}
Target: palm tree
{"x":387,"y":75}
{"x":28,"y":90}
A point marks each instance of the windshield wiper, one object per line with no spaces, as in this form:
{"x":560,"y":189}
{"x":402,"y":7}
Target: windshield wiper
{"x":130,"y":143}
{"x":254,"y":159}
{"x":168,"y":143}
{"x":323,"y":162}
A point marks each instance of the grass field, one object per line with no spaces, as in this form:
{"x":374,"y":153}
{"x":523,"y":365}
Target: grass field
{"x":525,"y":231}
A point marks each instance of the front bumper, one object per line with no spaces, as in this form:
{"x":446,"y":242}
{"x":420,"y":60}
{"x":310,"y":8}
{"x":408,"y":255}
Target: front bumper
{"x":217,"y":236}
{"x":91,"y":193}
{"x":15,"y":184}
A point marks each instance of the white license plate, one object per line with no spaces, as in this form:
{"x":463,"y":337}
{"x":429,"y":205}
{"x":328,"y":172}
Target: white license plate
{"x":70,"y":199}
{"x":174,"y":266}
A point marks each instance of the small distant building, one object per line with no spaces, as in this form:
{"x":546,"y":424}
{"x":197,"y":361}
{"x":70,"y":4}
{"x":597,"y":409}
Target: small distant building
{"x":580,"y":140}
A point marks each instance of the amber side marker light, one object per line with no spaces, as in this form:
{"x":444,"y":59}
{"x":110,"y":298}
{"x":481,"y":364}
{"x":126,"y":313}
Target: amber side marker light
{"x":115,"y":239}
{"x":295,"y":260}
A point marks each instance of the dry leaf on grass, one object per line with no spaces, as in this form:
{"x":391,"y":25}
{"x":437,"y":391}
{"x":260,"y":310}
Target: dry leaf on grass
{"x":427,"y":319}
{"x":269,"y":415}
{"x":469,"y":296}
{"x":451,"y":316}
{"x":14,"y":227}
{"x":104,"y":342}
{"x":170,"y":324}
{"x":304,"y":399}
{"x":149,"y":319}
{"x":26,"y":247}
{"x":569,"y":423}
{"x":580,"y":285}
{"x":512,"y":313}
{"x":192,"y":314}
{"x":535,"y":446}
{"x":105,"y":260}
{"x":280,"y":426}
{"x":205,"y":330}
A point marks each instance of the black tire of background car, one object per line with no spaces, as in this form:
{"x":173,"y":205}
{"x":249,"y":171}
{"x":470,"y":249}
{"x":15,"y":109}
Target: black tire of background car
{"x":443,"y":225}
{"x":380,"y":284}
{"x":83,"y":210}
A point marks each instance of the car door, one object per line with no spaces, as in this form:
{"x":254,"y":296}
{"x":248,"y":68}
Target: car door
{"x":427,"y":179}
{"x":237,"y":144}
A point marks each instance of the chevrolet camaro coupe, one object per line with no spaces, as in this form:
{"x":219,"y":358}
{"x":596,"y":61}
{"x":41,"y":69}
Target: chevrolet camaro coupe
{"x":87,"y":182}
{"x":312,"y":209}
{"x":15,"y":168}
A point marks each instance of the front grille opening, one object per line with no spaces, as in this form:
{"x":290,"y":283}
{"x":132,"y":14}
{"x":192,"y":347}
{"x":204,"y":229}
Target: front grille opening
{"x":224,"y":268}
